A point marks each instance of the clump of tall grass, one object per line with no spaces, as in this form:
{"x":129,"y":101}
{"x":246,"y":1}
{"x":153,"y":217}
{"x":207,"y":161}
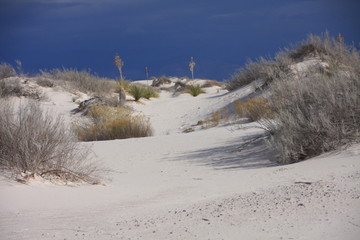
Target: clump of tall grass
{"x":194,"y":90}
{"x":140,"y":91}
{"x":122,"y":84}
{"x":254,"y":109}
{"x":82,"y":81}
{"x":108,"y":123}
{"x":33,"y":142}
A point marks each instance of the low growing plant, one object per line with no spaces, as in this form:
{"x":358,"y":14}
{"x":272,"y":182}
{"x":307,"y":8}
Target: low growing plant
{"x":139,"y":91}
{"x":254,"y":109}
{"x":194,"y":90}
{"x":108,"y":123}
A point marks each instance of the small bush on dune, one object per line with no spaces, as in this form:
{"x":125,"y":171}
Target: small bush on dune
{"x":44,"y":82}
{"x":254,"y":109}
{"x":108,"y":123}
{"x":139,"y":91}
{"x":6,"y":70}
{"x":263,"y":69}
{"x":194,"y":90}
{"x":33,"y":142}
{"x":157,"y":82}
{"x":10,"y":88}
{"x":315,"y":114}
{"x":81,"y":81}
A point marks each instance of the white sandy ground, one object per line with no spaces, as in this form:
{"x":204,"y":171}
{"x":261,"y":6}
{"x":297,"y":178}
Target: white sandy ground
{"x":197,"y":185}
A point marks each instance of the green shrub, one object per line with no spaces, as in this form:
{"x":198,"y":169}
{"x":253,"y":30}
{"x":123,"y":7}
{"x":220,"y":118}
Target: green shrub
{"x":108,"y":123}
{"x":139,"y":91}
{"x":194,"y":90}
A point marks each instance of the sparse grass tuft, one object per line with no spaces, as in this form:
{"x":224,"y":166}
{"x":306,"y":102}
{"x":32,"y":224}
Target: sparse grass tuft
{"x":254,"y":109}
{"x":108,"y":123}
{"x":194,"y":90}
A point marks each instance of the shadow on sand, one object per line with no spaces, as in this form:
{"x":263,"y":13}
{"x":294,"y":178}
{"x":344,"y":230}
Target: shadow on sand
{"x":249,"y":152}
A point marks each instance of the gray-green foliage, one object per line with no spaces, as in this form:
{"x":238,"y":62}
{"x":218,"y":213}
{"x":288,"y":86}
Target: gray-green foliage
{"x":6,"y":70}
{"x":317,"y":110}
{"x":34,"y":142}
{"x":82,"y":81}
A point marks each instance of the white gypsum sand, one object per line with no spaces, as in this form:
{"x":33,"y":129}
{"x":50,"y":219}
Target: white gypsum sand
{"x":197,"y":185}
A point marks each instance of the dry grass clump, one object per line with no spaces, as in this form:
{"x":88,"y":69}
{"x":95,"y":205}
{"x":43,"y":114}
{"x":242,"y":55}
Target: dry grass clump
{"x":122,"y":84}
{"x":254,"y":109}
{"x":194,"y":90}
{"x":36,"y":143}
{"x":13,"y":86}
{"x":323,"y":47}
{"x":6,"y":70}
{"x":215,"y":119}
{"x":10,"y":88}
{"x":81,"y":81}
{"x":140,"y":91}
{"x":44,"y":82}
{"x":157,"y":82}
{"x":263,"y":69}
{"x":108,"y":123}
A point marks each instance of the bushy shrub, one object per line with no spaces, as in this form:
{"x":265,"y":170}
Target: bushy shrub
{"x":81,"y":81}
{"x":15,"y":87}
{"x":157,"y":82}
{"x":34,"y":142}
{"x":44,"y":82}
{"x":316,"y":112}
{"x":263,"y":69}
{"x":10,"y":88}
{"x":108,"y":123}
{"x":6,"y":70}
{"x":254,"y":109}
{"x":323,"y":47}
{"x":140,"y":91}
{"x":194,"y":90}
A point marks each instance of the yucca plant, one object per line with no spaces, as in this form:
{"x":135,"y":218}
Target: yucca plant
{"x":195,"y":90}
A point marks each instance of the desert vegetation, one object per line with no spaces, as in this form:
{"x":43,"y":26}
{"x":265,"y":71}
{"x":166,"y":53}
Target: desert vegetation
{"x":82,"y":81}
{"x":253,"y":109}
{"x":108,"y":123}
{"x":314,"y":106}
{"x":6,"y":70}
{"x":194,"y":90}
{"x":34,"y":142}
{"x":140,"y":91}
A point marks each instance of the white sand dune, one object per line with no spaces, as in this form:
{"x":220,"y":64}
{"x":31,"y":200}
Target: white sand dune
{"x":197,"y":185}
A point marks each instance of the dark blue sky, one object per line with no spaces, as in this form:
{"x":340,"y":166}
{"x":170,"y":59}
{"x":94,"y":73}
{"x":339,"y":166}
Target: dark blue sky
{"x":163,"y":34}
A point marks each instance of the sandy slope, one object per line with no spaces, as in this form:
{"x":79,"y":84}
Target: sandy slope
{"x":197,"y":185}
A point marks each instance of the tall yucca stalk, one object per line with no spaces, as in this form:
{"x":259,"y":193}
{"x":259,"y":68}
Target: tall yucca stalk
{"x":192,"y":66}
{"x":119,"y":63}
